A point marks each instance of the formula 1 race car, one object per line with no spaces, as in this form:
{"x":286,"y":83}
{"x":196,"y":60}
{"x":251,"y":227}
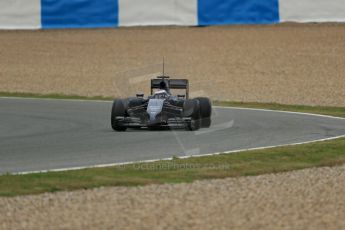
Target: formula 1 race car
{"x":162,"y":109}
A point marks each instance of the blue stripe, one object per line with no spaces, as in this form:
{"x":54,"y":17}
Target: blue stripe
{"x":79,"y":13}
{"x":220,"y":12}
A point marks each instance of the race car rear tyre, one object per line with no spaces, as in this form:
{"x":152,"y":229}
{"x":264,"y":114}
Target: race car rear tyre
{"x":192,"y":110}
{"x":118,"y":110}
{"x":205,"y":111}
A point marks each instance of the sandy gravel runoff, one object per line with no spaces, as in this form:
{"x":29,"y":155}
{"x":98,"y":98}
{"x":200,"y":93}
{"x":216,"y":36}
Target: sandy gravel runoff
{"x":289,"y":63}
{"x":306,"y":199}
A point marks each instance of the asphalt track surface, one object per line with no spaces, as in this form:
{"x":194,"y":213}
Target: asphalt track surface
{"x":40,"y":135}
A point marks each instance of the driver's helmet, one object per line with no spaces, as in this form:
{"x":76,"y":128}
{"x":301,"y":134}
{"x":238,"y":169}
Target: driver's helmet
{"x":161,"y":94}
{"x":163,"y":86}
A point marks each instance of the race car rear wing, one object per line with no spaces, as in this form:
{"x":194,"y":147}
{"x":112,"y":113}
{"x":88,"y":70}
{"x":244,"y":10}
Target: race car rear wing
{"x":171,"y":83}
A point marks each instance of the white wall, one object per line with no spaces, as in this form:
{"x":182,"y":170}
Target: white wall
{"x":157,"y":12}
{"x":26,"y":14}
{"x":312,"y":10}
{"x":20,"y":14}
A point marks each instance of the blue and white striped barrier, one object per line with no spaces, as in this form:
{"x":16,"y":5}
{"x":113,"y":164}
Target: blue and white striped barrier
{"x":35,"y":14}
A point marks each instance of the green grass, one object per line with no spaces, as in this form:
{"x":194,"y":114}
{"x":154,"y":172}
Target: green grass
{"x":324,"y":110}
{"x":248,"y":163}
{"x":53,"y":96}
{"x":180,"y":170}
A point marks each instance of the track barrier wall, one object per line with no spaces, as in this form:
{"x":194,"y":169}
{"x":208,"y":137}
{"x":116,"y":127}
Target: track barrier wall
{"x":46,"y":14}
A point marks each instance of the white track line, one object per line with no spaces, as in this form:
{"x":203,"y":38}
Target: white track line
{"x":182,"y":157}
{"x":222,"y":107}
{"x":280,"y":111}
{"x":171,"y":158}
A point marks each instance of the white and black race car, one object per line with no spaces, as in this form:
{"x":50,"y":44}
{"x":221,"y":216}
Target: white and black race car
{"x":162,"y":109}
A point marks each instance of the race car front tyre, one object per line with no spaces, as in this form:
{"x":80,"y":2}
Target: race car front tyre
{"x":192,"y":110}
{"x":205,"y":111}
{"x":205,"y":122}
{"x":118,"y":110}
{"x":193,"y":125}
{"x":134,"y":102}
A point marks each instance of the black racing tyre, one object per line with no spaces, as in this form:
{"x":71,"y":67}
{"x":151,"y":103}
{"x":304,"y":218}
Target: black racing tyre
{"x":134,"y":102}
{"x":205,"y":107}
{"x":193,"y":125}
{"x":205,"y":122}
{"x":177,"y":103}
{"x":118,"y":110}
{"x":192,"y":110}
{"x":205,"y":111}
